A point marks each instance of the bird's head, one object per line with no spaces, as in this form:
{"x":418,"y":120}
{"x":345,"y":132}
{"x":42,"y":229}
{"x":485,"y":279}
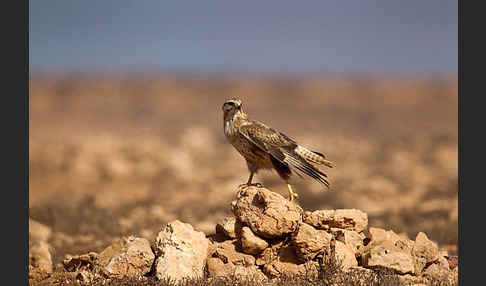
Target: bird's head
{"x":231,"y":107}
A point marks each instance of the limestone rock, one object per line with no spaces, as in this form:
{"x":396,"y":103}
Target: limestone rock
{"x":251,"y":243}
{"x":181,"y":252}
{"x":217,"y":268}
{"x":379,"y":235}
{"x":439,"y":269}
{"x":268,"y":214}
{"x":227,"y":261}
{"x":350,"y":219}
{"x":286,"y":263}
{"x":228,"y":252}
{"x":345,"y":255}
{"x":40,"y":260}
{"x":351,"y":238}
{"x":127,"y":257}
{"x":228,"y":227}
{"x":394,"y":256}
{"x":270,"y":253}
{"x":424,"y":252}
{"x":309,"y":242}
{"x":251,"y":273}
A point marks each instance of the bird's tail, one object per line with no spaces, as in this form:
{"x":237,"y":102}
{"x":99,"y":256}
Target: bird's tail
{"x":313,"y":156}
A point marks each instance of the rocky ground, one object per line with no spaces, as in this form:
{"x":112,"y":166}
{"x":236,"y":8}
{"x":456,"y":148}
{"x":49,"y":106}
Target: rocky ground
{"x":267,"y":238}
{"x":114,"y":158}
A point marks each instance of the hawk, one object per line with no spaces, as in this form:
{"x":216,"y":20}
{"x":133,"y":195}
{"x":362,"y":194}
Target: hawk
{"x":266,"y":148}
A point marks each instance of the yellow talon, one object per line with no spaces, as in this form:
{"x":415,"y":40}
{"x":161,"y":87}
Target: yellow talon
{"x":292,"y":195}
{"x":246,"y":185}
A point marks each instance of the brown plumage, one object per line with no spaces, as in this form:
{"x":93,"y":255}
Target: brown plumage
{"x":266,"y":148}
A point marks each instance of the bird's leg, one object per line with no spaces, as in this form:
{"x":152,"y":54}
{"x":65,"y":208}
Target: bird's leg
{"x":292,"y":195}
{"x":249,"y":181}
{"x":250,"y":178}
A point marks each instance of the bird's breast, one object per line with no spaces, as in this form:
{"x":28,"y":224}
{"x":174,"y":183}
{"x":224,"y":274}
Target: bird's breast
{"x":227,"y":128}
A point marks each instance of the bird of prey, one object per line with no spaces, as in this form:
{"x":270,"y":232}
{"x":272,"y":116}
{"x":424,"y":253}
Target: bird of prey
{"x":266,"y":148}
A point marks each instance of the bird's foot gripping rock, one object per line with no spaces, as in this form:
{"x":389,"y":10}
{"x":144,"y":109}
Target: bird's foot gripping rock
{"x":292,"y":194}
{"x":246,"y":185}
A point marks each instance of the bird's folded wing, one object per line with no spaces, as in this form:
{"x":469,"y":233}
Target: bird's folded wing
{"x":281,"y":147}
{"x":267,"y":139}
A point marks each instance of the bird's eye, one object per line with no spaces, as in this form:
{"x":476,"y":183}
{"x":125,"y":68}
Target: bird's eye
{"x":228,"y":106}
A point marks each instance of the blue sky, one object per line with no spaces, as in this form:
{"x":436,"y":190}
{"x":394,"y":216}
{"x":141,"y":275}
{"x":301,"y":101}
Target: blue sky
{"x":248,"y":36}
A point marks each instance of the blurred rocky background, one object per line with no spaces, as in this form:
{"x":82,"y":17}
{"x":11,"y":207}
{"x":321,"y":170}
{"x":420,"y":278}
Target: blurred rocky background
{"x":114,"y":156}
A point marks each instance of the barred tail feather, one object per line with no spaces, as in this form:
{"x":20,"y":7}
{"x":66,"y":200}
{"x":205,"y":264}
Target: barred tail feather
{"x":313,"y":156}
{"x":300,"y":166}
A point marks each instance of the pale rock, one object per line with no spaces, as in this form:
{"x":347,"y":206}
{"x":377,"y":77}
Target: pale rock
{"x":40,"y":260}
{"x":181,"y":252}
{"x":127,"y":257}
{"x":309,"y":242}
{"x":379,"y":235}
{"x":270,"y":253}
{"x":389,"y":255}
{"x":227,"y":252}
{"x":351,"y":238}
{"x":225,"y":260}
{"x":345,"y":255}
{"x":443,"y":262}
{"x":268,"y":214}
{"x":350,"y":219}
{"x":424,"y":252}
{"x":286,"y":263}
{"x":228,"y":227}
{"x":251,"y":243}
{"x":40,"y":257}
{"x":251,"y":273}
{"x":439,"y":269}
{"x":217,"y":268}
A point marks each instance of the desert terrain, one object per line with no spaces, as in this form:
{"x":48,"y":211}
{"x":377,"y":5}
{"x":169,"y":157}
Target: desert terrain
{"x":112,"y":156}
